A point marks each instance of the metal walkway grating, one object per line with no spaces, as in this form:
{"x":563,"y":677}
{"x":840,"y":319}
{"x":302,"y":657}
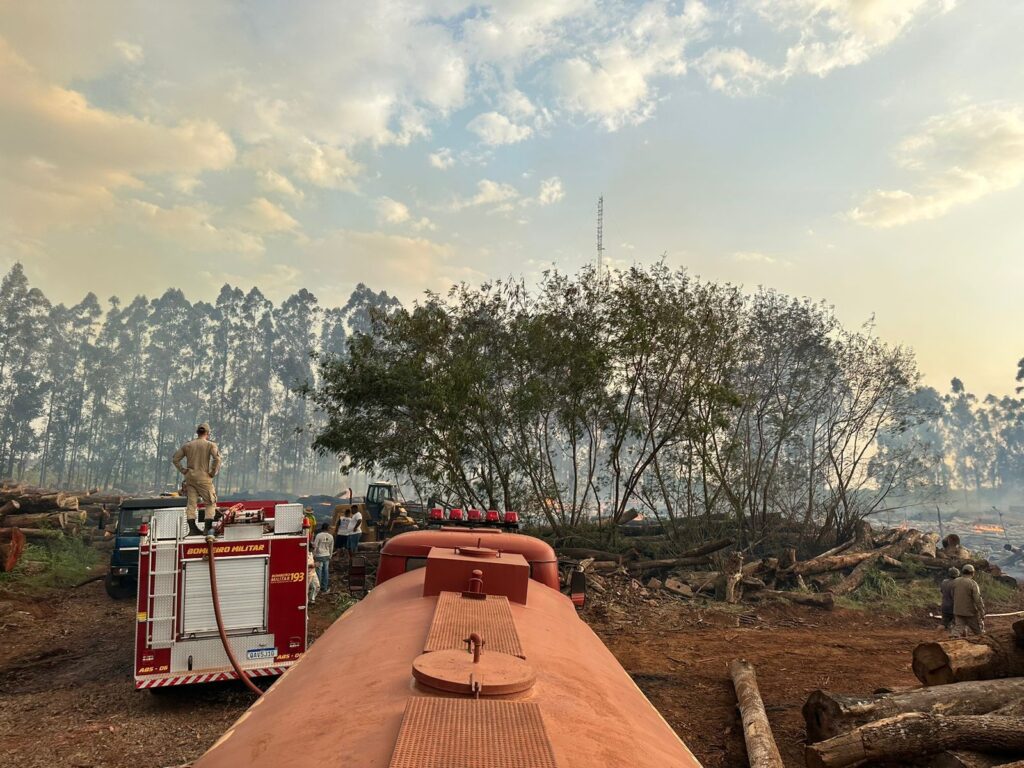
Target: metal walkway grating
{"x":472,"y":733}
{"x":455,"y":617}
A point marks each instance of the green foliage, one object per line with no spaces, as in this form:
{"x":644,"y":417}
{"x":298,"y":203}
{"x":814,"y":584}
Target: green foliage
{"x":994,"y":592}
{"x":882,"y":593}
{"x":57,"y":564}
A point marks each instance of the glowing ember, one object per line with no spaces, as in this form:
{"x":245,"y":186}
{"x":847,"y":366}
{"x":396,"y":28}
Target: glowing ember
{"x":985,"y":528}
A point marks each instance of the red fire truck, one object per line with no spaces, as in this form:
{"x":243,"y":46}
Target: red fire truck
{"x":260,"y":553}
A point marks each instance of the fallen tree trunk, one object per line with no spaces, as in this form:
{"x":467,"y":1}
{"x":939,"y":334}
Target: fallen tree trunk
{"x":955,"y":661}
{"x":9,"y":506}
{"x":836,"y":550}
{"x":582,"y":553}
{"x":814,"y":599}
{"x":673,"y":562}
{"x":762,"y":751}
{"x":894,"y":550}
{"x":11,"y":548}
{"x":825,"y":564}
{"x":913,"y":735}
{"x":50,"y":519}
{"x":829,"y":714}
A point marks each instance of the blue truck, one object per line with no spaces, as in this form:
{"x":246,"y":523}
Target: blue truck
{"x":122,"y":579}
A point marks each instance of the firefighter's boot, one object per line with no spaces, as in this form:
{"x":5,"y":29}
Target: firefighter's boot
{"x":193,"y":529}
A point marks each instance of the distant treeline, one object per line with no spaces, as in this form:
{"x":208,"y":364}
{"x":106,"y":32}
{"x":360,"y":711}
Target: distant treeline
{"x":651,"y":391}
{"x":93,"y":396}
{"x":646,"y":390}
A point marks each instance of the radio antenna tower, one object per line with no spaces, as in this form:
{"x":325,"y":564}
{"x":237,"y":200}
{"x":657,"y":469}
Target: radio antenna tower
{"x":600,"y":235}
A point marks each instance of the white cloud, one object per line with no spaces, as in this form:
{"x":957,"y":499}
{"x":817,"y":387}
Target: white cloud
{"x":612,"y":81}
{"x":264,"y":216}
{"x":959,"y":158}
{"x":551,"y":191}
{"x":442,"y":159}
{"x":494,"y":128}
{"x":394,"y":212}
{"x":131,"y":52}
{"x":272,"y":181}
{"x":734,"y":71}
{"x":61,"y":157}
{"x":325,"y":166}
{"x":488,"y":193}
{"x":391,"y":211}
{"x":824,"y":35}
{"x":191,"y":227}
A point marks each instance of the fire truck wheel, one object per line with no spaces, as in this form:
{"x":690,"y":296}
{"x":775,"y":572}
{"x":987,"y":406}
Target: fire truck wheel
{"x":116,"y":589}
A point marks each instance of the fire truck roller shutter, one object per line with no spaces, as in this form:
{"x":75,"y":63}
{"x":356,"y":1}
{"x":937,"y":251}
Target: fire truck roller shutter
{"x":242,"y":583}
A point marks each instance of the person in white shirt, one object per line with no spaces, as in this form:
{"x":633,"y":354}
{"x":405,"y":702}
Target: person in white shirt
{"x":349,"y":532}
{"x":323,"y":548}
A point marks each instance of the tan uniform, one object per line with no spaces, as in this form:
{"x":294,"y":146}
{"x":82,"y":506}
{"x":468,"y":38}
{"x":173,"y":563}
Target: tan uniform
{"x":968,"y":607}
{"x":203,"y":461}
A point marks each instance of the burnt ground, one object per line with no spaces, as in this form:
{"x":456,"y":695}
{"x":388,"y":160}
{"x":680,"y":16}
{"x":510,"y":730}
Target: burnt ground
{"x":66,"y":695}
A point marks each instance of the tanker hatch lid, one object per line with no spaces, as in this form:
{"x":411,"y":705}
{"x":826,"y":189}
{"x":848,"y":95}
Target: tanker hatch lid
{"x":442,"y":733}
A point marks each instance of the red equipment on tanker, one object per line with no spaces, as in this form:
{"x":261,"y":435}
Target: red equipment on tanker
{"x":260,"y":553}
{"x":478,"y":661}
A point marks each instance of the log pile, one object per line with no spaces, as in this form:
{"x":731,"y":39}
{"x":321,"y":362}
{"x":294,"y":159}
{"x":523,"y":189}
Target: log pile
{"x":970,"y":715}
{"x":713,"y":569}
{"x":41,"y":509}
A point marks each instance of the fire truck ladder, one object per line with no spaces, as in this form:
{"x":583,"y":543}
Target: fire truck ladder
{"x":163,"y":590}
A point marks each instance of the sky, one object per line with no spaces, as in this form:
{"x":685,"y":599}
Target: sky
{"x":865,"y":152}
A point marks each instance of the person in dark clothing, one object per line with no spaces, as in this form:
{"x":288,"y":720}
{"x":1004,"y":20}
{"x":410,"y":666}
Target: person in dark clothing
{"x":948,"y":617}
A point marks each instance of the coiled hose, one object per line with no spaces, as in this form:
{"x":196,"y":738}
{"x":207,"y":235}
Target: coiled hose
{"x":220,"y":622}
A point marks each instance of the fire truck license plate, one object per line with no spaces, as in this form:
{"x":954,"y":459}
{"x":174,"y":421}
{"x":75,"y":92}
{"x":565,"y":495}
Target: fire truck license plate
{"x":261,"y":653}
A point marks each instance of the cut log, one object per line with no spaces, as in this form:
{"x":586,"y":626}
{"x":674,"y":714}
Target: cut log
{"x":642,"y":566}
{"x":762,"y":751}
{"x":955,"y":661}
{"x":836,"y":550}
{"x":813,"y":599}
{"x":826,"y":564}
{"x":11,"y":505}
{"x":45,"y":519}
{"x":914,"y":735}
{"x":829,"y":714}
{"x":894,"y":550}
{"x":581,"y":553}
{"x":11,"y":549}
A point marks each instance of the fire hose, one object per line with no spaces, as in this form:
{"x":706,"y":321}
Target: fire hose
{"x":220,"y":623}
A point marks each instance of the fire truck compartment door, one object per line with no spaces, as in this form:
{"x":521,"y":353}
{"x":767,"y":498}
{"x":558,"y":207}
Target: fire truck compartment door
{"x":242,"y":588}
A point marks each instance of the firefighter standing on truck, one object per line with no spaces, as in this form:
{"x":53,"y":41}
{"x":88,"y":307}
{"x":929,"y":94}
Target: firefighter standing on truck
{"x":202,"y":462}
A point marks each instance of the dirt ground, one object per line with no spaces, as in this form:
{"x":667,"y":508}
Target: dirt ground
{"x":66,"y":696}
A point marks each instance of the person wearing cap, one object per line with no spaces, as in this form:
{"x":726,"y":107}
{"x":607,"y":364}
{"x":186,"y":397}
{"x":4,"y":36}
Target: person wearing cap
{"x":968,"y":607}
{"x":948,"y":617}
{"x":202,"y":462}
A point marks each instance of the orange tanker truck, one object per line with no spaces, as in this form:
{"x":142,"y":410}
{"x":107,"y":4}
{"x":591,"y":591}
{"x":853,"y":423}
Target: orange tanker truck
{"x":465,"y":655}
